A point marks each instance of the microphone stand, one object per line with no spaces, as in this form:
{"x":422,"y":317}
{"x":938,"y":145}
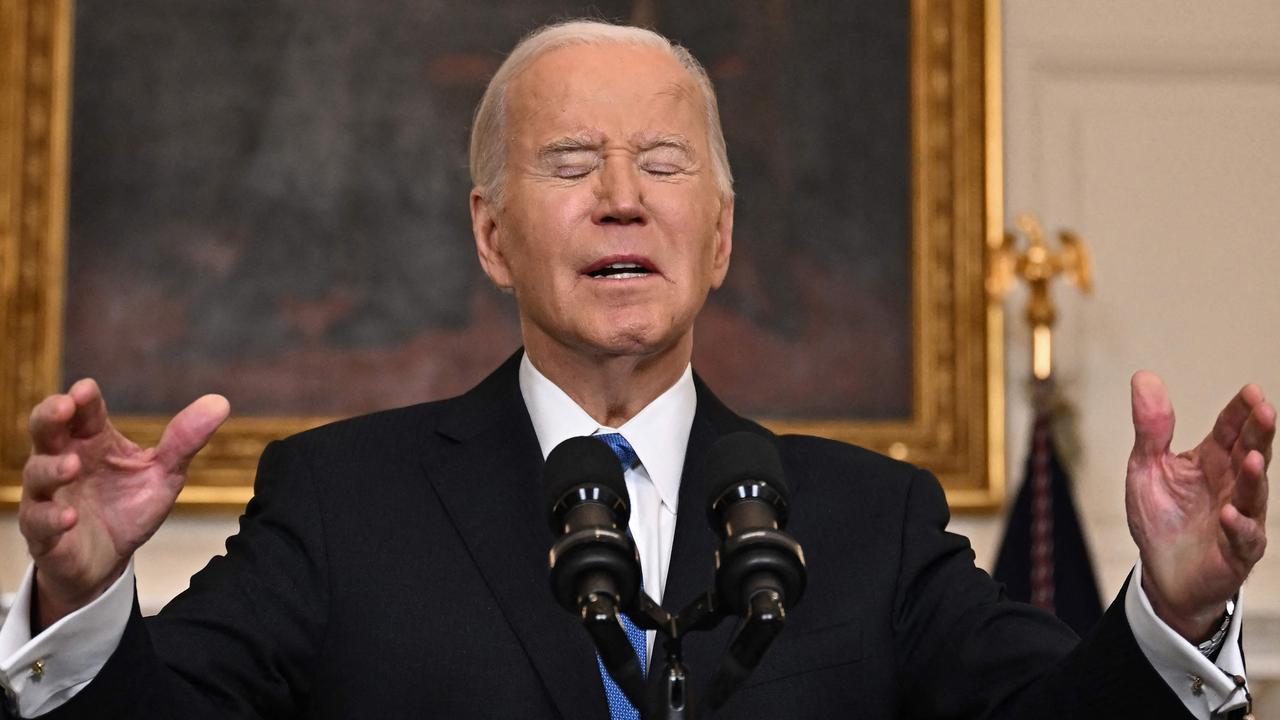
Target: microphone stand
{"x":667,"y":693}
{"x":600,"y":618}
{"x":751,"y":578}
{"x":765,"y":618}
{"x":665,"y":696}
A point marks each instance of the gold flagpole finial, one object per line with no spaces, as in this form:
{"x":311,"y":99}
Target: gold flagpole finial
{"x":1038,"y":265}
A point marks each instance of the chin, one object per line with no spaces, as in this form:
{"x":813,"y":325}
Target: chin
{"x":640,"y":341}
{"x":626,"y":344}
{"x":624,"y":332}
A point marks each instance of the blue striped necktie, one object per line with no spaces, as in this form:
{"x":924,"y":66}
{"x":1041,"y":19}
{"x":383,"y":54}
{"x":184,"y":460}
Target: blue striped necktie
{"x":619,"y":707}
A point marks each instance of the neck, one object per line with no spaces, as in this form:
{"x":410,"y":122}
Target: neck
{"x":612,"y":389}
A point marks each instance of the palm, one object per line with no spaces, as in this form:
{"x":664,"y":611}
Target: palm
{"x":91,"y":496}
{"x":1198,"y":517}
{"x":1180,"y":498}
{"x":122,"y":496}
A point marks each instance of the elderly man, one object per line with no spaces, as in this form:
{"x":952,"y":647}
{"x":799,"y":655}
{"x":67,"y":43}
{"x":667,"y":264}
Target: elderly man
{"x":394,"y":565}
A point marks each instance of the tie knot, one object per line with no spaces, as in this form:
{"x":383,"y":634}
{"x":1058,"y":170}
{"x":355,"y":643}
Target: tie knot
{"x":620,"y":447}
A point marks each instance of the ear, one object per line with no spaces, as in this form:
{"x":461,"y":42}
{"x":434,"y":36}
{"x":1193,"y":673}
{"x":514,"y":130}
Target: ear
{"x":724,"y":244}
{"x":484,"y":226}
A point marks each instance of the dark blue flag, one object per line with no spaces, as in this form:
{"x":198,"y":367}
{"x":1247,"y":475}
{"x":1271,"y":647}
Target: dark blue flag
{"x":1044,"y":559}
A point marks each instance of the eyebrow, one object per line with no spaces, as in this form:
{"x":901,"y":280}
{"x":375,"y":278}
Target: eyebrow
{"x":570,"y":144}
{"x":676,"y":142}
{"x":563,"y":145}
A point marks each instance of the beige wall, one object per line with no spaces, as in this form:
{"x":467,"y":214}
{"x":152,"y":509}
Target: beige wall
{"x":1151,"y":128}
{"x":181,"y":547}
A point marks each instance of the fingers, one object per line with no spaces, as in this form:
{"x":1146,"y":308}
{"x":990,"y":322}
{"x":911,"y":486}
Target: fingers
{"x":190,"y":429}
{"x":1231,"y":420}
{"x":43,"y":474}
{"x":1250,"y":493}
{"x":1244,"y":519}
{"x":50,"y":424}
{"x":80,"y":412}
{"x":1152,"y":415}
{"x":1247,"y":536}
{"x":42,"y":523}
{"x":91,"y":409}
{"x":1259,"y":433}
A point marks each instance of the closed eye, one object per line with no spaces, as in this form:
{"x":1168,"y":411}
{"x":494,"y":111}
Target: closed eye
{"x":666,"y":158}
{"x":570,"y":172}
{"x":569,"y":160}
{"x":661,"y":168}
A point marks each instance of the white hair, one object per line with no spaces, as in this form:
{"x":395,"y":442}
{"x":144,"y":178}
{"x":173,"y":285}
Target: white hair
{"x":488,"y":147}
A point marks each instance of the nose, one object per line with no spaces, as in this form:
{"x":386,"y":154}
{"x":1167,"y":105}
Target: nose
{"x":620,"y":199}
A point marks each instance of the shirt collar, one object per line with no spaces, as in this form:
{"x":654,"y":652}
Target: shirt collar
{"x":659,"y":432}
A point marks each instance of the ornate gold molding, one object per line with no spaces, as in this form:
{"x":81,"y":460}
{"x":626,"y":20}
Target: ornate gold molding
{"x":956,"y":429}
{"x":34,"y":91}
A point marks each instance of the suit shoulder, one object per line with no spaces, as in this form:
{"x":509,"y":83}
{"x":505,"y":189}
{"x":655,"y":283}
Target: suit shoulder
{"x":390,"y":431}
{"x":838,"y":470}
{"x":813,"y":450}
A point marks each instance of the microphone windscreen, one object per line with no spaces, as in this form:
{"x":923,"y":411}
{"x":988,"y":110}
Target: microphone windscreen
{"x":581,"y":461}
{"x":739,"y":457}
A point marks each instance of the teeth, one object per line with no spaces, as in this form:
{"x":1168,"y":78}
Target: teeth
{"x":621,"y":271}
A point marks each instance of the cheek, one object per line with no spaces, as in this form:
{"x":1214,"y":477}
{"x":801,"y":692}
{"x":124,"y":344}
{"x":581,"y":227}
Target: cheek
{"x":542,"y":233}
{"x":693,"y":231}
{"x":553,"y":218}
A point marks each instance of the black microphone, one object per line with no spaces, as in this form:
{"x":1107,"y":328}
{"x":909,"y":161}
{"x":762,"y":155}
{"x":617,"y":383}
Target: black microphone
{"x":588,"y":510}
{"x":760,"y":570}
{"x":747,"y":505}
{"x":595,"y":568}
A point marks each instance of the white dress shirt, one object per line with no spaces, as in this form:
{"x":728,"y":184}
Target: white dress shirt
{"x":1179,"y":662}
{"x":71,"y":651}
{"x":75,"y":648}
{"x":659,"y":434}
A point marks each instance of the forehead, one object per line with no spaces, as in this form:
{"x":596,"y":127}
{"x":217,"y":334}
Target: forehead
{"x":616,"y":90}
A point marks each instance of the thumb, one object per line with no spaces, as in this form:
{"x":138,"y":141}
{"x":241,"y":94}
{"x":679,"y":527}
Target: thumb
{"x":1152,"y":415}
{"x":190,"y":429}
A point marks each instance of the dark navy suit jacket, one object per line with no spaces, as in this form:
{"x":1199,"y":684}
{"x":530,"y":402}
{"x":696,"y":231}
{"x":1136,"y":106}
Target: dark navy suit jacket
{"x":395,"y":566}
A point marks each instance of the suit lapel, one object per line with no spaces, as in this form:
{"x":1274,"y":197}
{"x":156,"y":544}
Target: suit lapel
{"x":488,"y":477}
{"x":692,"y":549}
{"x":692,"y":567}
{"x":692,"y":570}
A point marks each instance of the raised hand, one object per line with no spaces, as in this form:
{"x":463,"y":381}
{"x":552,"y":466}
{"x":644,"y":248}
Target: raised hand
{"x":91,"y":497}
{"x":1198,"y":517}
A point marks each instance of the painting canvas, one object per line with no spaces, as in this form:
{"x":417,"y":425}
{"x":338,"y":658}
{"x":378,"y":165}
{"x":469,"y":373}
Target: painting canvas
{"x":267,"y":199}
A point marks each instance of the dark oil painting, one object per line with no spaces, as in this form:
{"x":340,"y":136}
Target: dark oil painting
{"x":269,"y":200}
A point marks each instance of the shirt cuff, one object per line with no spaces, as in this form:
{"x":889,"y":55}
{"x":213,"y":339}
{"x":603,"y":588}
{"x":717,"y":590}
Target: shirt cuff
{"x":1202,"y":686}
{"x":40,"y":674}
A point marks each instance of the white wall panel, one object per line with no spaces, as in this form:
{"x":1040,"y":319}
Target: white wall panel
{"x":1153,"y":129}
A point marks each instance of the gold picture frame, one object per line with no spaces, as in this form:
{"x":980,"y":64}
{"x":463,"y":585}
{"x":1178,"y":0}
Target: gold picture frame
{"x":956,"y":428}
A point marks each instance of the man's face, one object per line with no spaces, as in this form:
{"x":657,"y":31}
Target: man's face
{"x":612,"y":229}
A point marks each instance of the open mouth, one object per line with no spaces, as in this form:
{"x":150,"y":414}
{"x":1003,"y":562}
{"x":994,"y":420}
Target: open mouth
{"x":620,"y":269}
